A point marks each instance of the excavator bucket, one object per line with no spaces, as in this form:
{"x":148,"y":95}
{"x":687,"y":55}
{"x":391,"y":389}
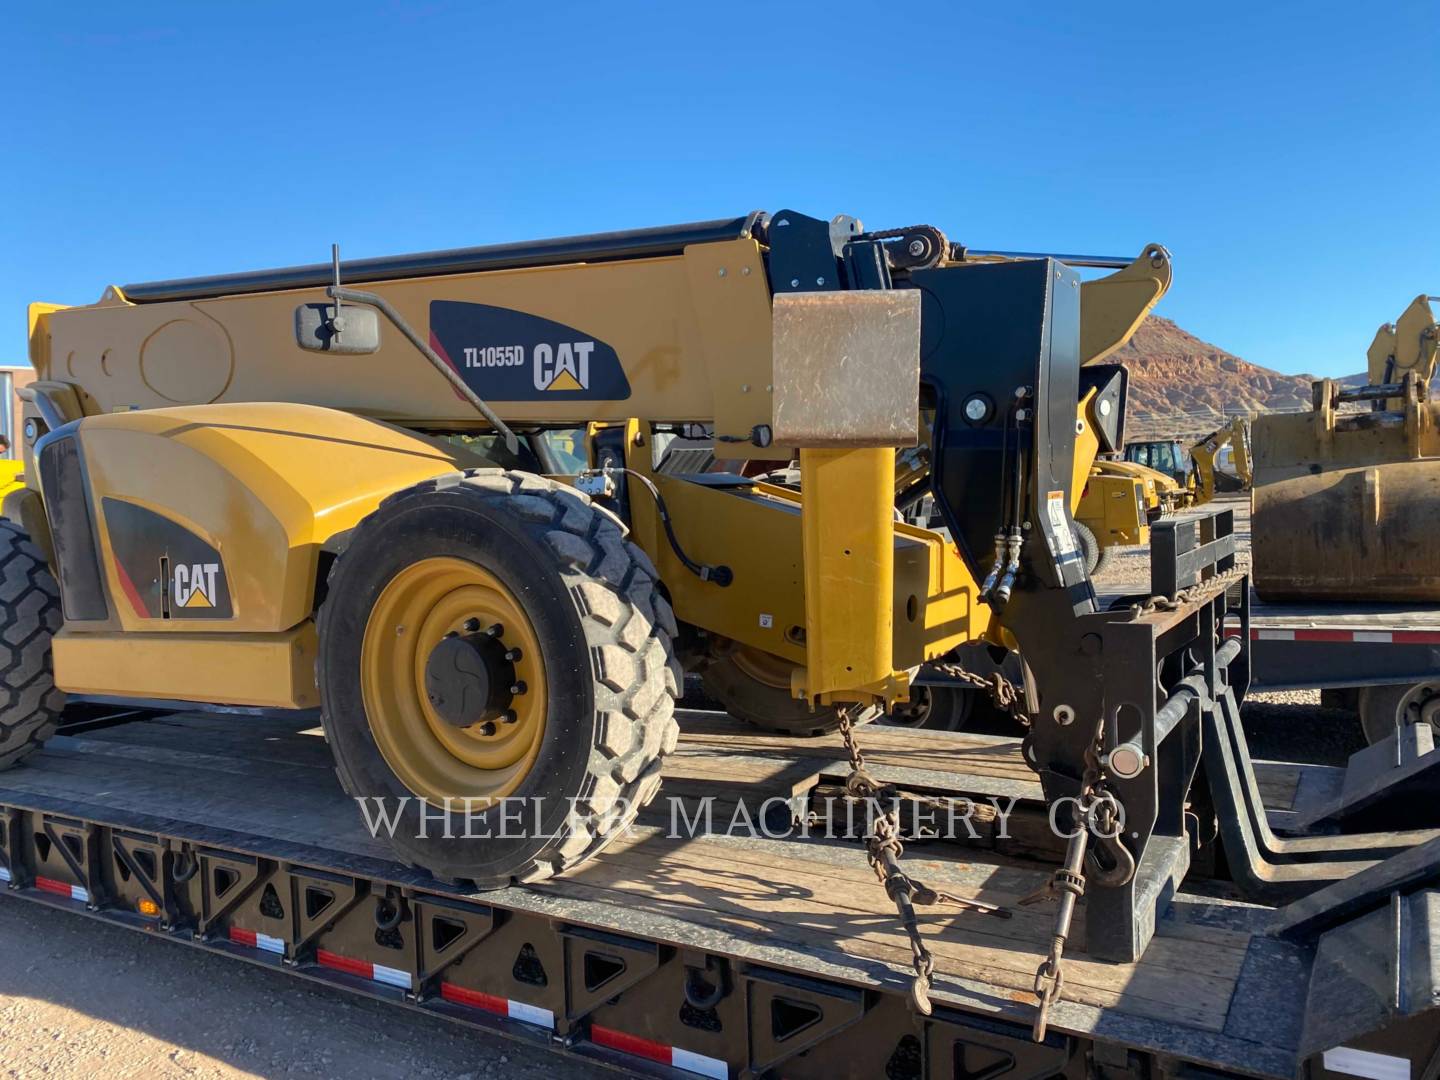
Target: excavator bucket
{"x":1345,"y":496}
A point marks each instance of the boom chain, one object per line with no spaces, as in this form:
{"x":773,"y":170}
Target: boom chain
{"x":1004,"y":693}
{"x":1097,"y":809}
{"x":883,"y":851}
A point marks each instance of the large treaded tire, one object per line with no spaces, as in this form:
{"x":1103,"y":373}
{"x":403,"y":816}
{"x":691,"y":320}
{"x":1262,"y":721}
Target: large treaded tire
{"x":30,"y":704}
{"x":606,"y":633}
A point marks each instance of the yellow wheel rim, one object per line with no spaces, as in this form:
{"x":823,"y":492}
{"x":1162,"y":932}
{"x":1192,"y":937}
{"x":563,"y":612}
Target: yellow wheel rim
{"x":422,"y":605}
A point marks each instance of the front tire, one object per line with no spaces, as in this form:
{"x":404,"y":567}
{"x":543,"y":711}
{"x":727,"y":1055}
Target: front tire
{"x":30,"y":704}
{"x":542,"y":589}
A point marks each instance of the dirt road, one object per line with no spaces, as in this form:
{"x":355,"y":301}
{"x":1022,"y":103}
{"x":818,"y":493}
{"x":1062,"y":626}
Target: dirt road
{"x":82,"y":999}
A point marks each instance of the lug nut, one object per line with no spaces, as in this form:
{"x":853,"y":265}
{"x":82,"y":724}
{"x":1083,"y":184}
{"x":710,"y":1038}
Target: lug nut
{"x":509,"y":716}
{"x":518,"y":687}
{"x":495,"y":630}
{"x":512,"y":655}
{"x":487,"y":728}
{"x":472,"y":625}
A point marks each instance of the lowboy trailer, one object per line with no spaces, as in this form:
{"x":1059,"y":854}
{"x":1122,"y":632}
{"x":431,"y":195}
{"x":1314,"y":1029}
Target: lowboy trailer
{"x":749,"y":952}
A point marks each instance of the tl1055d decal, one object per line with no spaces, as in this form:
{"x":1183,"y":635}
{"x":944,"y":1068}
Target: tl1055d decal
{"x":506,"y":355}
{"x":165,"y":570}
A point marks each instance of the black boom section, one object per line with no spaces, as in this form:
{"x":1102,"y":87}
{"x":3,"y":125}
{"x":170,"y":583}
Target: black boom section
{"x":67,"y":504}
{"x":596,"y":247}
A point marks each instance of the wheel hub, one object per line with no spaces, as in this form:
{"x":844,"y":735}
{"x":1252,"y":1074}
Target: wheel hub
{"x":453,"y":681}
{"x":470,"y":680}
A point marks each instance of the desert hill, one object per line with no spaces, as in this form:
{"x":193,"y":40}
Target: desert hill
{"x":1183,"y":386}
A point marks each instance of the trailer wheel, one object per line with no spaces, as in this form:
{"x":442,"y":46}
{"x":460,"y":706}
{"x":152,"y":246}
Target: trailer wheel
{"x":1385,"y":708}
{"x":493,"y":640}
{"x":933,"y":706}
{"x":755,"y":687}
{"x":29,"y":617}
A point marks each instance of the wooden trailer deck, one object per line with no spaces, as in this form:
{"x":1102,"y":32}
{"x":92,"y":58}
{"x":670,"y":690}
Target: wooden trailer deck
{"x":1211,"y":987}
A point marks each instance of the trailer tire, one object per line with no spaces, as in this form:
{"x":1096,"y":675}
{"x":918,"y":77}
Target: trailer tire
{"x":590,"y":746}
{"x":1384,"y":708}
{"x":31,"y":704}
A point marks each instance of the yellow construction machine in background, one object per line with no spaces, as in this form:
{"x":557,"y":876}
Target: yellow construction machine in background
{"x":1345,"y":500}
{"x":1347,"y":497}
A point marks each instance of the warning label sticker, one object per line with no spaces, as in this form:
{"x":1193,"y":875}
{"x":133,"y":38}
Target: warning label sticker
{"x":1066,"y":549}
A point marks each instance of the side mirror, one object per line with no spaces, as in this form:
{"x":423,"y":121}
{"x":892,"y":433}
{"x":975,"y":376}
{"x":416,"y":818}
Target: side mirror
{"x":358,"y":330}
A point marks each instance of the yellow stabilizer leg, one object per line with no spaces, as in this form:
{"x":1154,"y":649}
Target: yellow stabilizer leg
{"x":847,"y":521}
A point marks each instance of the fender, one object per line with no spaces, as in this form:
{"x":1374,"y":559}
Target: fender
{"x":206,"y":524}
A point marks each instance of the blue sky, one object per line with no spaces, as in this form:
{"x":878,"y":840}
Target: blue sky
{"x":1286,"y":153}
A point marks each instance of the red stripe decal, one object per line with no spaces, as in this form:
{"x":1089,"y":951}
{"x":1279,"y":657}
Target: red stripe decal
{"x":344,"y":963}
{"x":629,"y":1044}
{"x":1324,"y":635}
{"x":242,"y":937}
{"x":50,"y":885}
{"x":1416,"y":637}
{"x":131,"y":592}
{"x":440,"y":352}
{"x":462,"y":996}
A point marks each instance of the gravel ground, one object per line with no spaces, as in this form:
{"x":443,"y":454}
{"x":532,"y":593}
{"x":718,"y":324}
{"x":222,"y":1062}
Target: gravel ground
{"x":82,"y":999}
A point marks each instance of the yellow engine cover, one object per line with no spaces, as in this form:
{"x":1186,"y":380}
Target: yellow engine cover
{"x":209,"y":521}
{"x":263,"y":485}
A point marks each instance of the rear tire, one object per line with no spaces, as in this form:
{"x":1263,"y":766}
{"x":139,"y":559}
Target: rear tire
{"x":935,"y":707}
{"x":30,"y":704}
{"x":602,"y":634}
{"x":747,"y":696}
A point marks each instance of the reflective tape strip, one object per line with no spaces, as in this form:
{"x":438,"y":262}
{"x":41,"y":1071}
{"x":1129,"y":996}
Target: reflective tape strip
{"x":1368,"y":637}
{"x":366,"y":970}
{"x":1416,"y":637}
{"x":390,"y":976}
{"x":60,"y":888}
{"x":507,"y":1007}
{"x":4,"y":874}
{"x":1367,"y":1063}
{"x":531,"y":1014}
{"x":257,"y":941}
{"x":673,"y":1056}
